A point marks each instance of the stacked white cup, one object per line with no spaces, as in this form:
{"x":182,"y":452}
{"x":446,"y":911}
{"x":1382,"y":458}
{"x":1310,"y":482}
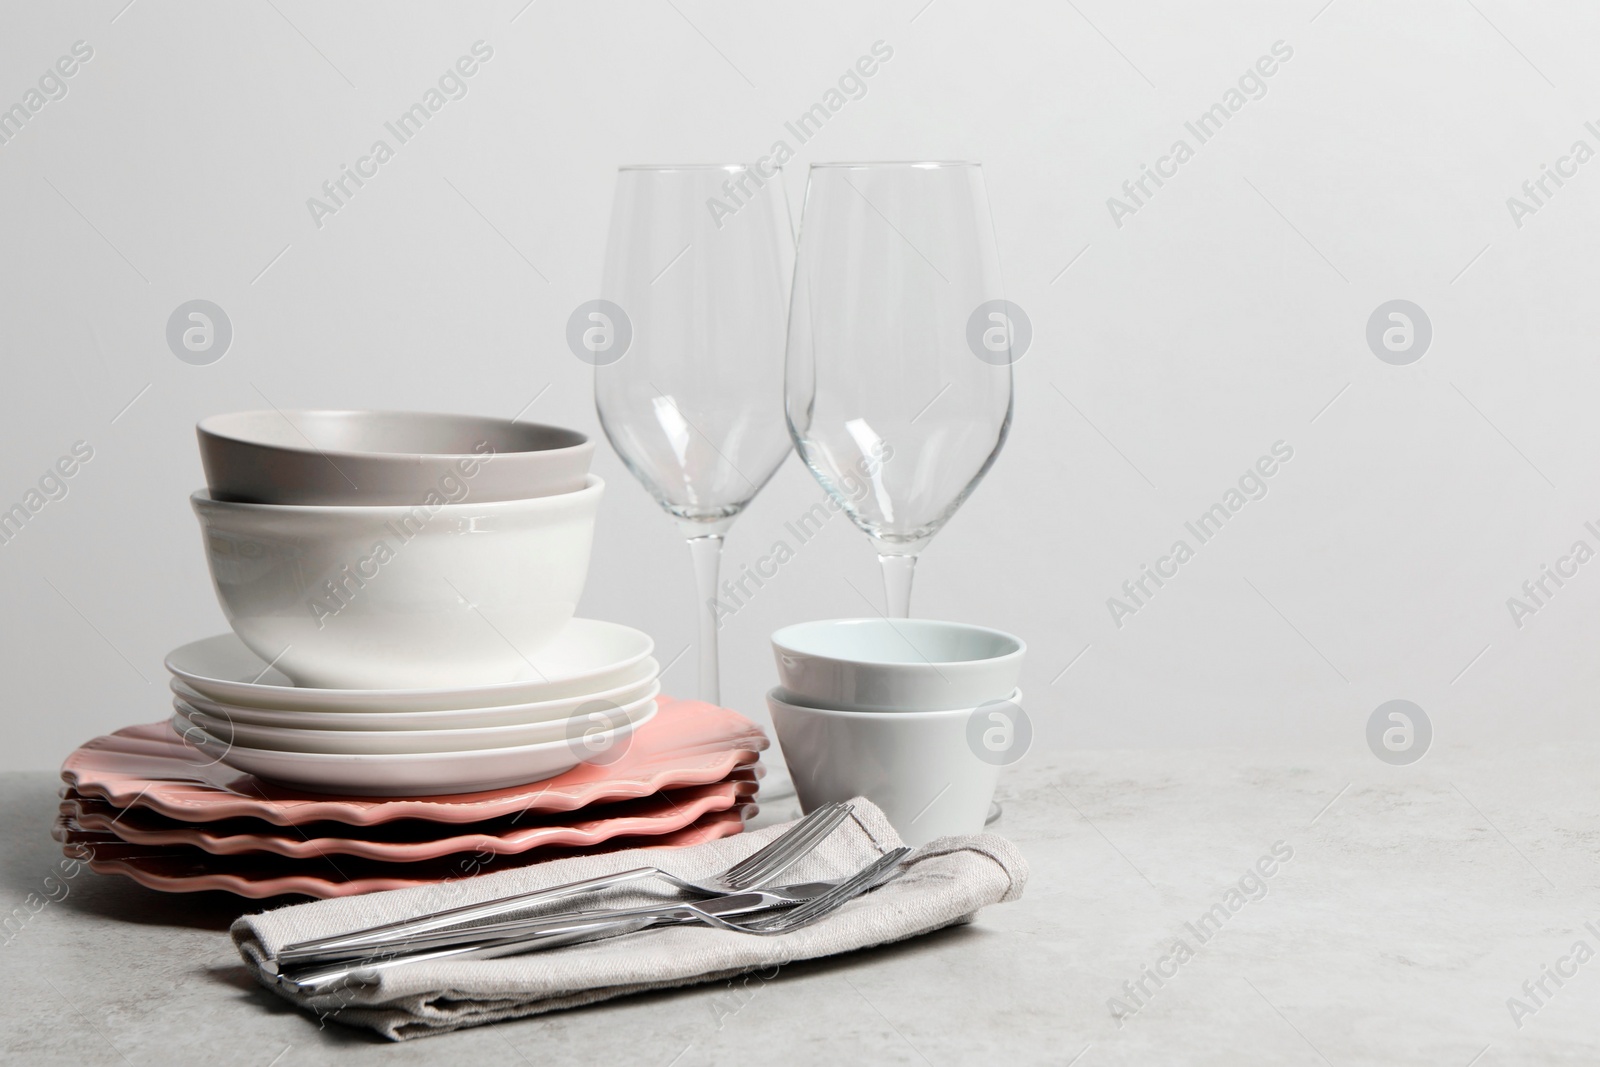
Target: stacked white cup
{"x":904,"y":712}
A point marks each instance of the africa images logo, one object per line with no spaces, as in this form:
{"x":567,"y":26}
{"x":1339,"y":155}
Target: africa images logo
{"x":52,"y":87}
{"x":1251,"y":486}
{"x":452,"y":85}
{"x":1251,"y":85}
{"x":852,"y":85}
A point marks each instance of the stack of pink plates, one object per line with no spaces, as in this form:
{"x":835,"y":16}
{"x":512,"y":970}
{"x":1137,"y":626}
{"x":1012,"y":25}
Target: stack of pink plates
{"x":148,"y":803}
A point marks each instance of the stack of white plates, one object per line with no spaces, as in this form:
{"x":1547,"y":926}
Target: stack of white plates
{"x":592,"y":687}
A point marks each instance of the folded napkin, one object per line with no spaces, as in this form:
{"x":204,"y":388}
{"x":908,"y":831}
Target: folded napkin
{"x":946,"y":882}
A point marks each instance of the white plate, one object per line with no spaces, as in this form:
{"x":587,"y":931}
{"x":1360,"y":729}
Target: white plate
{"x":589,"y":655}
{"x":638,"y":683}
{"x":590,"y":714}
{"x":417,"y":774}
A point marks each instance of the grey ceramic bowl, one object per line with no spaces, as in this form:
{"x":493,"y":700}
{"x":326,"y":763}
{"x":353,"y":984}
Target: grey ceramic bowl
{"x":386,"y":458}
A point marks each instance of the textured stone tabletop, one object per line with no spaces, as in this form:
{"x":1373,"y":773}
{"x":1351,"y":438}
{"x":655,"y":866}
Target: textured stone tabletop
{"x":1185,"y":907}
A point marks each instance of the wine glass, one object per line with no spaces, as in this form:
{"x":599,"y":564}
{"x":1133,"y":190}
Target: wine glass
{"x":698,"y":261}
{"x":898,"y":384}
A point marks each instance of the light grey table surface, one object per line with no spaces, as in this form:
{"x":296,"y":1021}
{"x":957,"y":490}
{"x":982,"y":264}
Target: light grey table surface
{"x":1416,"y":904}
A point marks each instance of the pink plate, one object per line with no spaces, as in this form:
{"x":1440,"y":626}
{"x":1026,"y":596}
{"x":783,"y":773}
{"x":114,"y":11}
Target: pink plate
{"x":410,"y":840}
{"x":179,"y":869}
{"x":687,"y":743}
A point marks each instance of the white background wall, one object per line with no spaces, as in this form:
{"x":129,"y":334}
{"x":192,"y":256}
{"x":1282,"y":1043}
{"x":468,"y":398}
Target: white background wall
{"x":1227,"y":314}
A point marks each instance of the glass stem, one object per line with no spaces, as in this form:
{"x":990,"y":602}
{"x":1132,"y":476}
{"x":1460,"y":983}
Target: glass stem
{"x":707,"y":554}
{"x":897,"y":584}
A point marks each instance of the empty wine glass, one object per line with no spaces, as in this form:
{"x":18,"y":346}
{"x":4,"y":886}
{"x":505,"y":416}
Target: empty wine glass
{"x":698,"y":261}
{"x":898,"y":392}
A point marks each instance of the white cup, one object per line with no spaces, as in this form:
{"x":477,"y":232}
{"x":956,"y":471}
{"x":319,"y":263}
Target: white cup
{"x":921,"y":767}
{"x":896,"y":664}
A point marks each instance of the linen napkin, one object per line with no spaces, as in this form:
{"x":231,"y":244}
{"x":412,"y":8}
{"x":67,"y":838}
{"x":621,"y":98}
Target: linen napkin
{"x":945,"y":883}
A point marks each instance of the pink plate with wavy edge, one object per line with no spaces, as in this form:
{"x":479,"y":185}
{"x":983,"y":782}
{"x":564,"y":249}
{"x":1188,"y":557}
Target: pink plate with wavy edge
{"x":82,"y":818}
{"x":179,"y":869}
{"x":688,"y":743}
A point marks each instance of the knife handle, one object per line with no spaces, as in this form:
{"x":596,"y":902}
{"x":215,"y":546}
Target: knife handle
{"x":348,"y":944}
{"x":322,"y":981}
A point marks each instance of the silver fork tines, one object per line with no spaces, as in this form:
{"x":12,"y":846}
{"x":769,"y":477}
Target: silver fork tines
{"x":879,"y":872}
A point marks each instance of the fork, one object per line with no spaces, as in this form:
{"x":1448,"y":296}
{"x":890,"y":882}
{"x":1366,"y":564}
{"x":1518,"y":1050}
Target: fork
{"x":593,"y":926}
{"x":753,"y":872}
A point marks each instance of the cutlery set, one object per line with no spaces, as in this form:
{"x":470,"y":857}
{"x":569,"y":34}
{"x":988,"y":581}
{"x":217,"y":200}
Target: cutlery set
{"x":737,"y":900}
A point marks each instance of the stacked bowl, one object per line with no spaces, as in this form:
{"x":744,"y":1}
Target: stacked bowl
{"x":406,"y":697}
{"x":914,"y":714}
{"x":401,"y":588}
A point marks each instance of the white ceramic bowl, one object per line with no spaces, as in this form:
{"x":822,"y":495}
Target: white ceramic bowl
{"x":451,"y":719}
{"x":386,"y":457}
{"x":588,"y":714}
{"x":417,"y":774}
{"x":396,"y":597}
{"x":920,"y":767}
{"x":896,"y":664}
{"x":587,"y":657}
